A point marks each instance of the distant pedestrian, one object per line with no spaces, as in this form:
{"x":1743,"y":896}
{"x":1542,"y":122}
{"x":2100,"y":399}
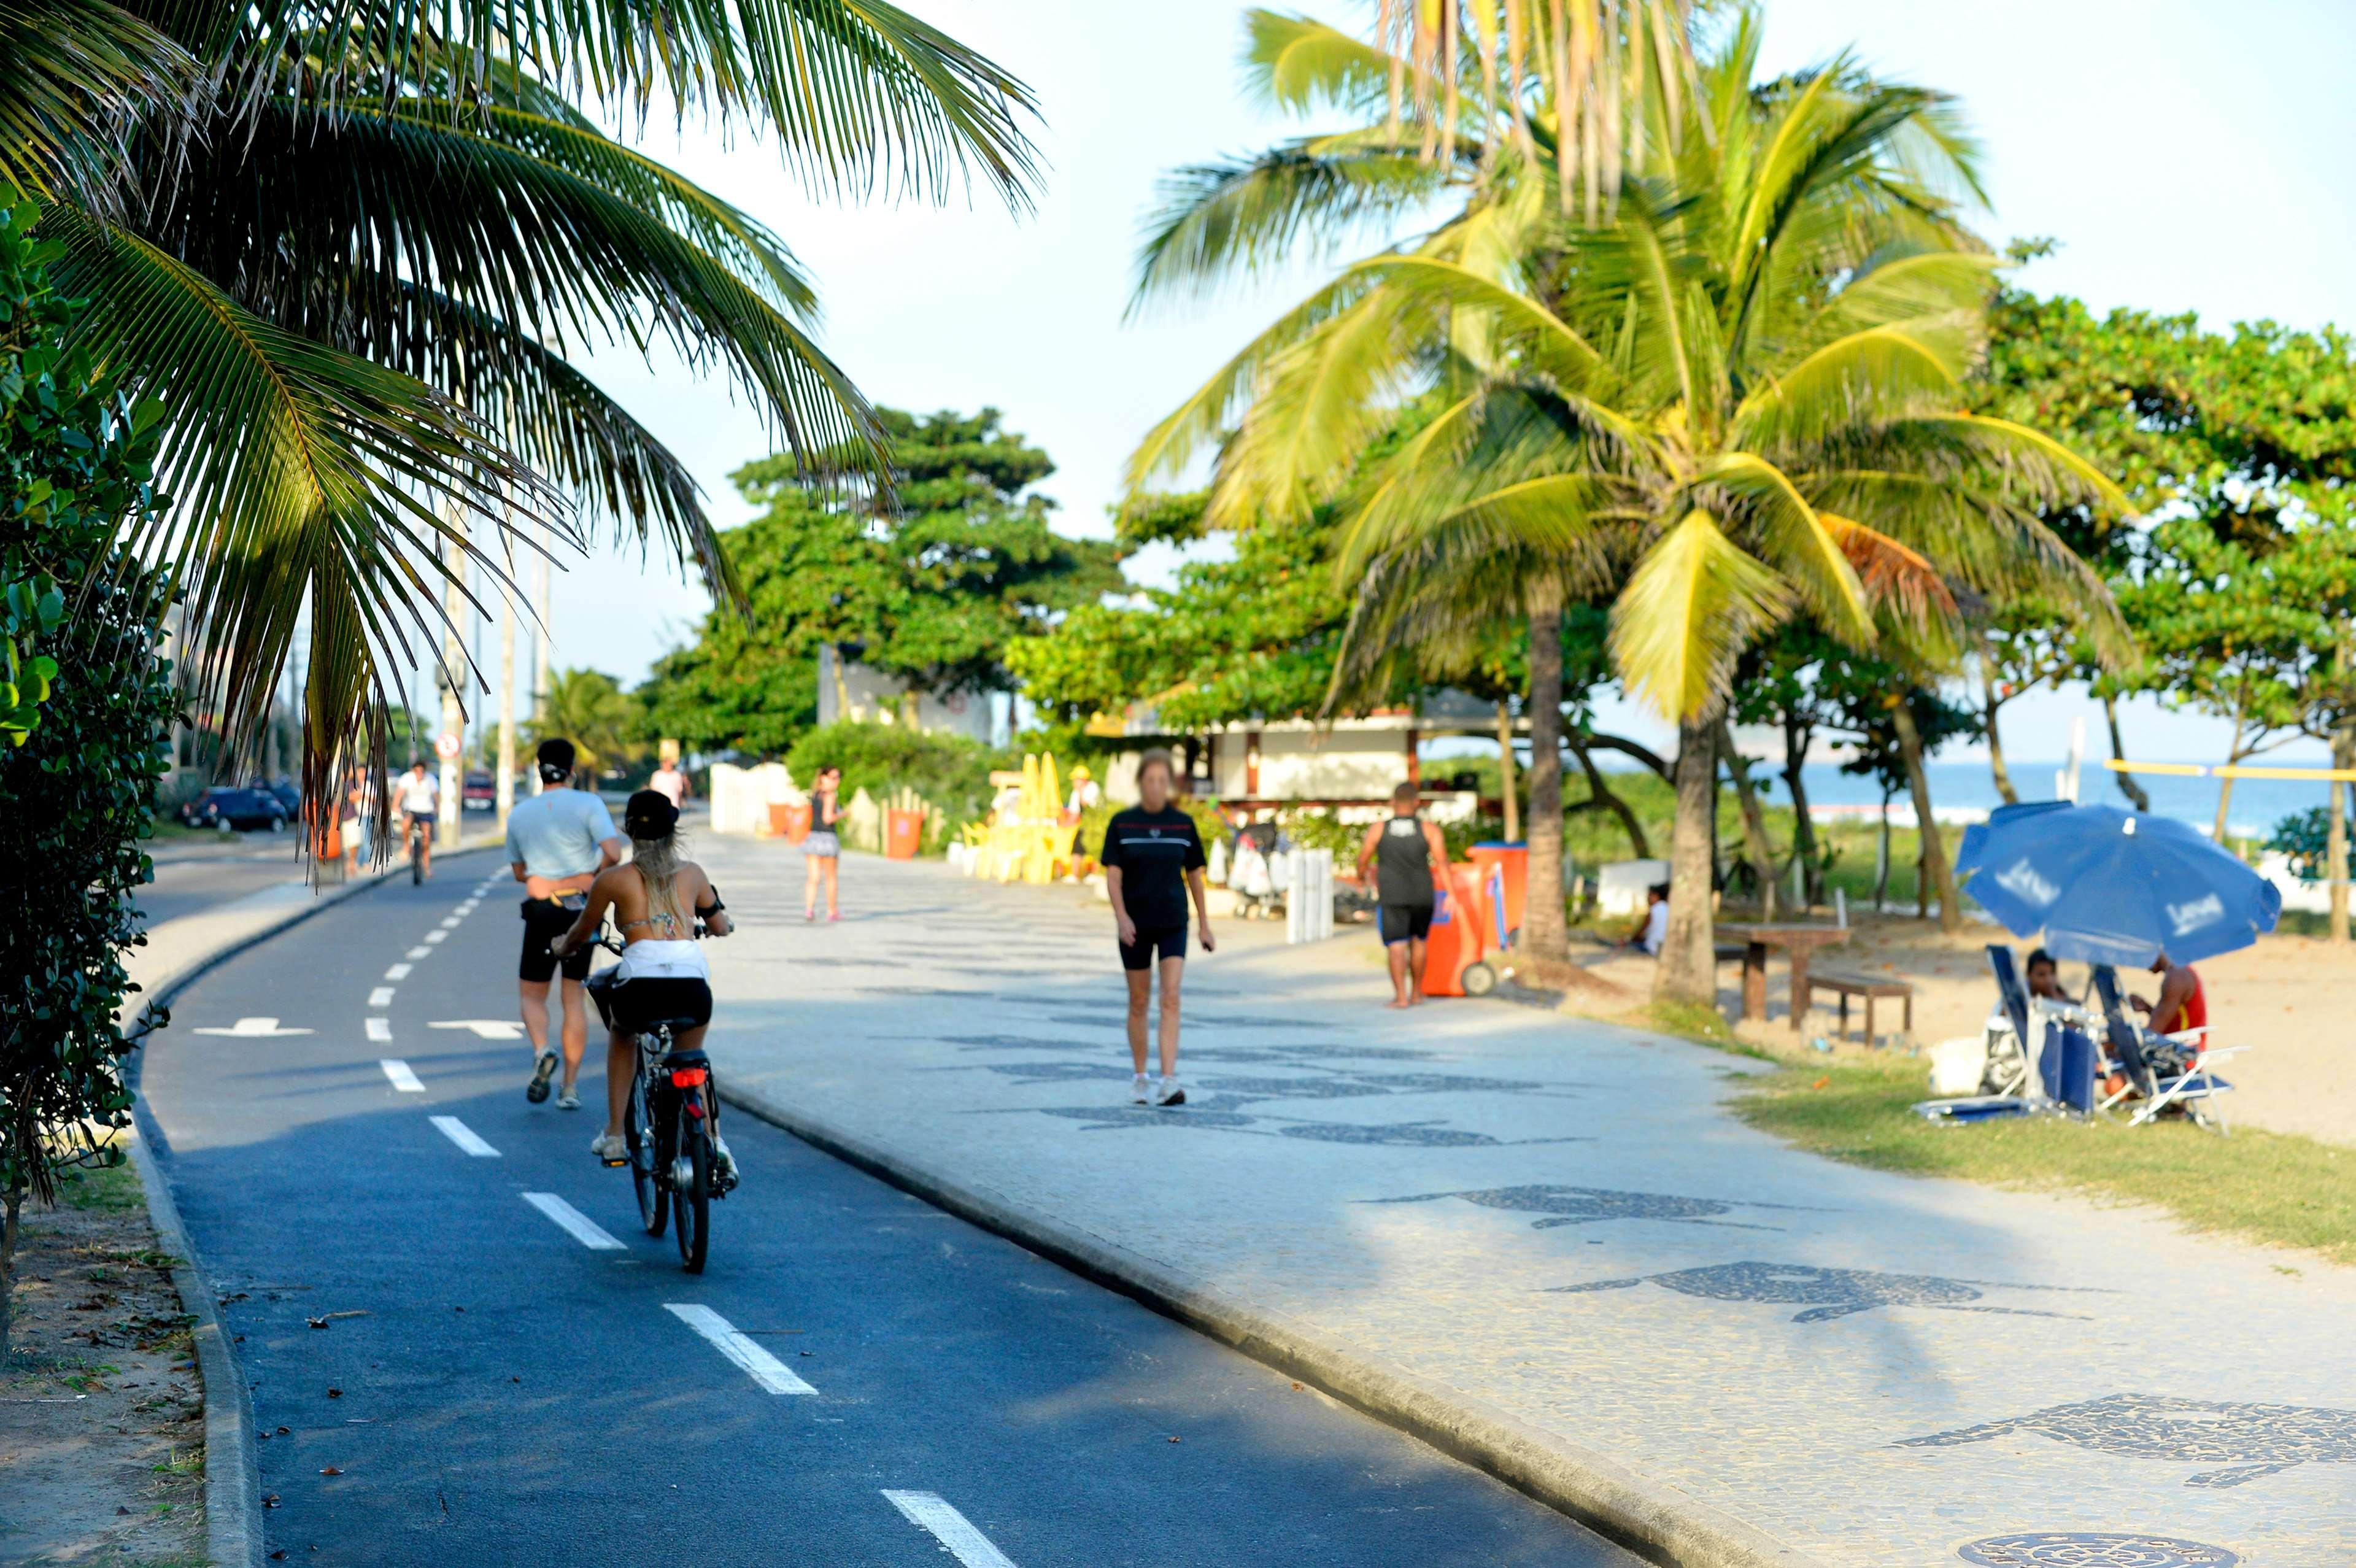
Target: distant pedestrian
{"x":823,"y":850}
{"x":1402,"y":851}
{"x":670,"y":783}
{"x":1153,"y":860}
{"x":558,"y":842}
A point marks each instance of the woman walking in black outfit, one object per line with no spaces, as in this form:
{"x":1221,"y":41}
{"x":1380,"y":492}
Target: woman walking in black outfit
{"x":1152,"y":859}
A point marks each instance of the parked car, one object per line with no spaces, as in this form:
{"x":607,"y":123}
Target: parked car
{"x":284,"y":792}
{"x":481,"y":791}
{"x":235,"y":811}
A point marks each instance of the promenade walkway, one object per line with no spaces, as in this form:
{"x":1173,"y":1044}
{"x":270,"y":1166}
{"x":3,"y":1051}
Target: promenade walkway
{"x":1552,"y":1227}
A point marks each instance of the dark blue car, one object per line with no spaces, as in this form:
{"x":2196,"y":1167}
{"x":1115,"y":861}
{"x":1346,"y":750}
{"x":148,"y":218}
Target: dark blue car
{"x":238,"y":810}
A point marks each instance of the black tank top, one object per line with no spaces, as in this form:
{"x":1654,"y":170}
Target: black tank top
{"x":1403,"y":862}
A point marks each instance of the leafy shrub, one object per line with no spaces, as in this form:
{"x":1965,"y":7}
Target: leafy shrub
{"x":2305,"y":837}
{"x":948,"y":770}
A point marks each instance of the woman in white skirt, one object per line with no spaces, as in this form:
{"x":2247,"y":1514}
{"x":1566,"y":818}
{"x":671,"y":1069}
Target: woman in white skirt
{"x":822,"y":851}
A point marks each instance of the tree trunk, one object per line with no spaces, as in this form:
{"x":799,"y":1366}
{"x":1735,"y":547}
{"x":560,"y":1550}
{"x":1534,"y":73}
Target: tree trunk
{"x":841,"y":688}
{"x":1989,"y":704}
{"x":1942,"y":876}
{"x":8,"y":1235}
{"x":1881,"y":860}
{"x":911,"y":709}
{"x":1507,"y":785}
{"x":1755,"y":844}
{"x":1803,"y":829}
{"x":1689,"y":970}
{"x":2343,"y":757}
{"x":1545,"y":930}
{"x":1599,"y":792}
{"x":2127,"y":786}
{"x":2225,"y":785}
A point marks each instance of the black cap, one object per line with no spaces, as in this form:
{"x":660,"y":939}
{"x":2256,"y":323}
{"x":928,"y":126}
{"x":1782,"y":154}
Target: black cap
{"x":649,"y":815}
{"x":556,"y":761}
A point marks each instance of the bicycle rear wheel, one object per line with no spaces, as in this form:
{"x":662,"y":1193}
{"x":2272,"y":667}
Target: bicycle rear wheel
{"x":646,"y":1160}
{"x":693,"y":1226}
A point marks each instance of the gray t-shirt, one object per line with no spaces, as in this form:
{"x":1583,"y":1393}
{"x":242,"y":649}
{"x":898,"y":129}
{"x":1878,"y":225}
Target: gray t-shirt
{"x":557,"y":835}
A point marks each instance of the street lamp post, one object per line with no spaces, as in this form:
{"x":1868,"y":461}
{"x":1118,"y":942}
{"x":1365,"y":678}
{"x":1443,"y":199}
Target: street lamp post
{"x":450,"y":743}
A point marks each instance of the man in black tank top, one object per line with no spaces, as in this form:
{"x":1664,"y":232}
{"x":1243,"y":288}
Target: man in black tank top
{"x":1402,"y":851}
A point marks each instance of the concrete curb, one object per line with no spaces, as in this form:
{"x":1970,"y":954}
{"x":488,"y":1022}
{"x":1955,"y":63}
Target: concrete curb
{"x":1658,"y":1523}
{"x":232,"y":1469}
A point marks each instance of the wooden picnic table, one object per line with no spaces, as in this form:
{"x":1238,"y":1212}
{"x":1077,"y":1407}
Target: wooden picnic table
{"x":1798,"y":942}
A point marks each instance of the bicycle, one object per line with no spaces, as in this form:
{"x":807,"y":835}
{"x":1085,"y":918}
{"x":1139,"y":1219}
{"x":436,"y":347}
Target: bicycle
{"x":416,"y":851}
{"x":668,"y":1129}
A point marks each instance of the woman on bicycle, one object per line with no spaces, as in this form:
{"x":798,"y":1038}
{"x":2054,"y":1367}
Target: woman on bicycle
{"x":656,"y":897}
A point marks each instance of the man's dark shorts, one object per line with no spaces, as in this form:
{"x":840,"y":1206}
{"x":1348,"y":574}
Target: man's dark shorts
{"x":1160,"y":942}
{"x":544,"y":919}
{"x":1404,"y":922}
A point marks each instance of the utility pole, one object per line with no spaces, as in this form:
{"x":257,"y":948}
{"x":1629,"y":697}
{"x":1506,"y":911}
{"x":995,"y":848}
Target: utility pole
{"x":506,"y":707}
{"x":540,"y":643}
{"x":450,"y":743}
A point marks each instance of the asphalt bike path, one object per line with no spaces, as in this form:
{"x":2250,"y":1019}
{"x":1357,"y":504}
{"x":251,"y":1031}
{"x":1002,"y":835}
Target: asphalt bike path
{"x":462,"y":1347}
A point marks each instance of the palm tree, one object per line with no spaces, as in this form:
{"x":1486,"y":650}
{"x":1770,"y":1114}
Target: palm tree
{"x":589,"y":708}
{"x":1737,"y":400}
{"x":348,"y":254}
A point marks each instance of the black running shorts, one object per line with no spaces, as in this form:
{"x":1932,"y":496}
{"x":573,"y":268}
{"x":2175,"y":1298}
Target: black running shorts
{"x":544,"y":921}
{"x":660,"y":998}
{"x":1404,"y":922}
{"x":1160,"y":943}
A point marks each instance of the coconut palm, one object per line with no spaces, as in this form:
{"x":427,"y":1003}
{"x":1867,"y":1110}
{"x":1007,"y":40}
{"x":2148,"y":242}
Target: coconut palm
{"x":1738,"y":400}
{"x":350,"y":253}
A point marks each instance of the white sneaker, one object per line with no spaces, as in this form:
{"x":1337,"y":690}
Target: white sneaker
{"x":1137,"y":1092}
{"x":1169,"y":1091}
{"x":610,"y":1148}
{"x":568,"y":1099}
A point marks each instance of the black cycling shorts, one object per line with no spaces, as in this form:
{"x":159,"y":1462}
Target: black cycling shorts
{"x":657,"y":998}
{"x":1157,"y":942}
{"x":1404,"y":922}
{"x":545,"y":919}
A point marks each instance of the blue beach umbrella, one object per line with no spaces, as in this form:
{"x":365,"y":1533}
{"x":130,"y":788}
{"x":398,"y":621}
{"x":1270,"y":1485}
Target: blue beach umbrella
{"x":2113,"y":886}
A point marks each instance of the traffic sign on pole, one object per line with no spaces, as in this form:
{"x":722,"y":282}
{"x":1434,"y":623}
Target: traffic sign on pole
{"x":447,"y":747}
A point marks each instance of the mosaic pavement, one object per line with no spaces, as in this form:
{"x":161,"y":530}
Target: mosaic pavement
{"x":1557,"y":1217}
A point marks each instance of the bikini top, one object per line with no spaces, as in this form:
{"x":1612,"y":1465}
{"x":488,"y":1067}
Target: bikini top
{"x":667,"y":918}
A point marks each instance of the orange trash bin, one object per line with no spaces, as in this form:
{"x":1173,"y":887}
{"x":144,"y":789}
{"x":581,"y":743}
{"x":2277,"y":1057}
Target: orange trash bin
{"x":1455,"y":958}
{"x":903,"y":832}
{"x":798,"y":822}
{"x":1503,"y":870}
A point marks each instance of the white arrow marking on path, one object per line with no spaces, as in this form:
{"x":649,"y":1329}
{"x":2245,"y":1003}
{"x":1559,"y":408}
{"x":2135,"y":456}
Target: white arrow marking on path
{"x":577,"y":1225}
{"x":458,"y":1132}
{"x":398,"y":972}
{"x":381,"y":997}
{"x":413,"y":954}
{"x":485,"y":1029}
{"x":402,"y":1079}
{"x":758,"y":1364}
{"x":255,"y":1028}
{"x":931,"y":1512}
{"x":379,"y":1029}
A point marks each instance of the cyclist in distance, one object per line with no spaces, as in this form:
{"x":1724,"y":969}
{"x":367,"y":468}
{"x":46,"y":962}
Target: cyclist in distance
{"x":656,"y":897}
{"x":557,"y":842}
{"x":418,"y":794}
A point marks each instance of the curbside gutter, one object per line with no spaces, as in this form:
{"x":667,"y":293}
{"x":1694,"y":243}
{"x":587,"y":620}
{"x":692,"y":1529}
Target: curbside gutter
{"x":1658,"y":1523}
{"x":232,"y":1469}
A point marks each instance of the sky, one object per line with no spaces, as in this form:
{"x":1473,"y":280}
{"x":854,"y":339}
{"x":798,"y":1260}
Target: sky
{"x":2184,"y":156}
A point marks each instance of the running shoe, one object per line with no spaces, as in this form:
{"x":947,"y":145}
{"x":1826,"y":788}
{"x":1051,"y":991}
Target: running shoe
{"x":569,"y":1101}
{"x":1169,"y":1091}
{"x":542,"y":1071}
{"x":610,"y":1148}
{"x":1139,"y":1094}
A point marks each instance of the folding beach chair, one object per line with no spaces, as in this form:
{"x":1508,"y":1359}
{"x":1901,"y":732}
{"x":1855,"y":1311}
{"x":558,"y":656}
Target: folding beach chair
{"x":2159,"y":1069}
{"x":2016,"y":1078}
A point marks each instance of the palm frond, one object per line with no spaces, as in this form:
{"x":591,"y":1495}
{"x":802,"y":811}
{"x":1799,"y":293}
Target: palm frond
{"x":1878,"y":374}
{"x":1694,"y":602}
{"x":76,"y":75}
{"x":1296,"y":64}
{"x":1799,"y":543}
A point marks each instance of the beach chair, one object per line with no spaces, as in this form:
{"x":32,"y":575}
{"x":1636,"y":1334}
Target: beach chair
{"x":2161,"y":1070}
{"x":2020,"y":1089}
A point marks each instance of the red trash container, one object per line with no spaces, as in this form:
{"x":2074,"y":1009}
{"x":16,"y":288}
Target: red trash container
{"x":798,"y":822}
{"x":1503,"y":870}
{"x":1454,"y":958}
{"x":903,"y":832}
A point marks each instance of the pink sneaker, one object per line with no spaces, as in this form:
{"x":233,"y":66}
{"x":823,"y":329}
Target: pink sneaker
{"x":832,"y":916}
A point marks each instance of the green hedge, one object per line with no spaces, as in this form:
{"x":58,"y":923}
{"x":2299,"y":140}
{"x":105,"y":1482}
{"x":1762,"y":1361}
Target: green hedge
{"x":948,"y":770}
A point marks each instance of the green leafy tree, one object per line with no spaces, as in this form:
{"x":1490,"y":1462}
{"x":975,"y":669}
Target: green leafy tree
{"x":589,"y":708}
{"x":932,"y":591}
{"x":90,"y":703}
{"x":354,"y":253}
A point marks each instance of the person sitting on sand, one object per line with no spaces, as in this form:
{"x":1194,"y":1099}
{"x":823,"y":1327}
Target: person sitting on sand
{"x":1656,"y":928}
{"x":2045,"y":978}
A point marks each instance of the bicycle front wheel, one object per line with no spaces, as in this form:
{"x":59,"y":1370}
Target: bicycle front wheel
{"x":645,"y":1161}
{"x":693,"y":1226}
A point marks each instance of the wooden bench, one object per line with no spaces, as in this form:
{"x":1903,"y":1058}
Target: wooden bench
{"x":1866,"y":986}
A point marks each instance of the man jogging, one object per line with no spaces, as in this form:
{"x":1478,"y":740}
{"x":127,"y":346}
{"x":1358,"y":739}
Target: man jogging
{"x":1152,"y":859}
{"x":558,"y":842}
{"x":1402,"y":851}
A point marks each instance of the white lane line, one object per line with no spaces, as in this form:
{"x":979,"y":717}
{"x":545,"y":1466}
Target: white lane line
{"x":379,"y":1029}
{"x":402,"y":1079}
{"x":458,"y":1132}
{"x":577,"y":1225}
{"x":758,"y":1364}
{"x":434,"y":937}
{"x":398,"y":972}
{"x":381,"y":997}
{"x":452,"y":923}
{"x":413,"y":954}
{"x":930,"y":1511}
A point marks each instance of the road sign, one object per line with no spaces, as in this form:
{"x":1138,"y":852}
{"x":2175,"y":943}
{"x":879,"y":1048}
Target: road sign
{"x":446,"y":748}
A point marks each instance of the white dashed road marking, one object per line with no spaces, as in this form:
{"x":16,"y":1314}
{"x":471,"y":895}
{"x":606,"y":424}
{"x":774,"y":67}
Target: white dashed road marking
{"x":458,"y":1132}
{"x":484,"y":1028}
{"x":381,"y":997}
{"x":451,"y":924}
{"x":930,"y":1511}
{"x":398,"y":972}
{"x":379,"y":1028}
{"x":434,"y":937}
{"x":254,"y":1028}
{"x":758,"y":1364}
{"x":577,"y":1225}
{"x":413,"y":954}
{"x":402,"y":1079}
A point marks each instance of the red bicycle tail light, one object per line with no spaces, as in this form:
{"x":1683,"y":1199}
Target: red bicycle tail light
{"x":689,"y":1077}
{"x":695,"y":1111}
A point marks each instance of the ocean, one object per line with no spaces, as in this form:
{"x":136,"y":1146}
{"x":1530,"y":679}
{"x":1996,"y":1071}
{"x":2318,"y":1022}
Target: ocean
{"x":1962,"y":788}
